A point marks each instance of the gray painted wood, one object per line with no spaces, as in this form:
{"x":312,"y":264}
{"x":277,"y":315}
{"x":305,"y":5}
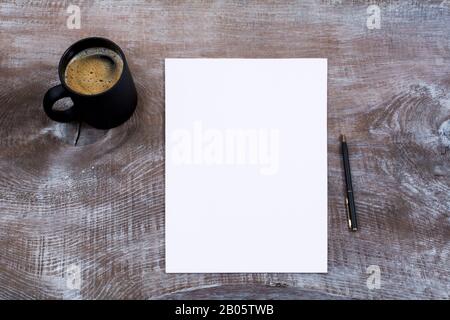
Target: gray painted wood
{"x":98,"y":207}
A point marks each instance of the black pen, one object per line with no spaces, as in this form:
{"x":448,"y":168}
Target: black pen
{"x":350,"y":199}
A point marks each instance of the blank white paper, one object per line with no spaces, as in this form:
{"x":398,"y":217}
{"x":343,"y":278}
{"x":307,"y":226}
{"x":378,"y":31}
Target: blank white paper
{"x":246,"y":165}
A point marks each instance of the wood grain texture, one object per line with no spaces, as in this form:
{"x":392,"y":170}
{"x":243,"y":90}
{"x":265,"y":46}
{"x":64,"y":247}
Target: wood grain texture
{"x":99,"y":206}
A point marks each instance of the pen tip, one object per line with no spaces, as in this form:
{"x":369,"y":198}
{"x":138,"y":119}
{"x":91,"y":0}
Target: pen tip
{"x":343,"y":138}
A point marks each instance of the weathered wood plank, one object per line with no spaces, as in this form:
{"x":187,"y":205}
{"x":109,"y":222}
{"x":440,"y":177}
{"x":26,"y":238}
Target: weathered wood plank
{"x":99,"y":206}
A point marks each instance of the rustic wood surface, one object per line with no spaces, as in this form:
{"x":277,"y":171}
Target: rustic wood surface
{"x":98,"y":206}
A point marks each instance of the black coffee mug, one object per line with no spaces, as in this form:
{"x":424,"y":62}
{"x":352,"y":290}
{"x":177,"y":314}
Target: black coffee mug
{"x":104,"y":110}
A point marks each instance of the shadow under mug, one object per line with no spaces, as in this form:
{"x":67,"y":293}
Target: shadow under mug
{"x":104,"y":110}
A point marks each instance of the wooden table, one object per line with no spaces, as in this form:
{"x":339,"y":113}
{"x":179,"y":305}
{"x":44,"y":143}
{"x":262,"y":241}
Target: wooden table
{"x":87,"y":220}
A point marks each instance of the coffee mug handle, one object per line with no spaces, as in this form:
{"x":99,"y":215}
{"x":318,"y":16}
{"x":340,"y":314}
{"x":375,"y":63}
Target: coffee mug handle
{"x":51,"y":96}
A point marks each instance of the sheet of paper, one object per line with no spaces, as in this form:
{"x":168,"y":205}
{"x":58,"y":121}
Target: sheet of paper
{"x":246,"y":165}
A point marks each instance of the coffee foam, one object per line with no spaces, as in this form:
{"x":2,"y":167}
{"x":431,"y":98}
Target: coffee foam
{"x":93,"y":71}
